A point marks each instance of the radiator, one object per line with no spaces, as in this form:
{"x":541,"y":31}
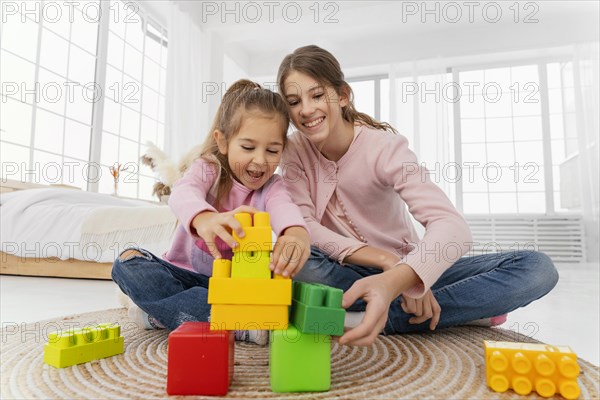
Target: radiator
{"x":560,"y":237}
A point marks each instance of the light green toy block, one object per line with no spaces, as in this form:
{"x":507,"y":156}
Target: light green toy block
{"x":79,"y":346}
{"x":299,"y":362}
{"x":257,"y":233}
{"x":254,"y":265}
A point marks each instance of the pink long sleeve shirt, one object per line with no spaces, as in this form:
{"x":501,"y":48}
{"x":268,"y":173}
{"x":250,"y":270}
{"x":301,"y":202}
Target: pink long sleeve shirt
{"x":195,"y":193}
{"x":365,"y":199}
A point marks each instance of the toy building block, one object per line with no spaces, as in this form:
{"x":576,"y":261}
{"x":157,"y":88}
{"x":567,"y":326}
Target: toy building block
{"x":252,"y":256}
{"x":239,"y":303}
{"x":248,"y":317}
{"x":78,"y":346}
{"x":317,"y":308}
{"x":299,"y":362}
{"x":250,"y":291}
{"x":200,"y":361}
{"x":532,"y":366}
{"x":251,"y":265}
{"x":257,"y":235}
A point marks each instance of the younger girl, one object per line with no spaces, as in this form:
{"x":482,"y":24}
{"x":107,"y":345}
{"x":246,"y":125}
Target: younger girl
{"x":355,"y":181}
{"x":235,"y":173}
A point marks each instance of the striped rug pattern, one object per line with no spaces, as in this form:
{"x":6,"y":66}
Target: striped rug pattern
{"x":445,"y":364}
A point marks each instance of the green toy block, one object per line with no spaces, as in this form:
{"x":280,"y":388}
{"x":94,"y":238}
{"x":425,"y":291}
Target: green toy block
{"x":79,"y":346}
{"x":299,"y":362}
{"x":251,"y":264}
{"x":318,"y":309}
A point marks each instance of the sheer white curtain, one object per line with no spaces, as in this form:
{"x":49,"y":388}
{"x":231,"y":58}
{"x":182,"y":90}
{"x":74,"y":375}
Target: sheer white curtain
{"x":586,"y":100}
{"x":420,"y":109}
{"x":187,"y":112}
{"x":421,"y":96}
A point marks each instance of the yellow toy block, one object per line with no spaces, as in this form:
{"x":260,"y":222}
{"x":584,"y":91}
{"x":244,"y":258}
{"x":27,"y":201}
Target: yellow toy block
{"x":79,"y":346}
{"x":249,"y":291}
{"x":253,"y":265}
{"x":532,"y":366}
{"x":230,"y":317}
{"x":221,"y":268}
{"x":257,"y":236}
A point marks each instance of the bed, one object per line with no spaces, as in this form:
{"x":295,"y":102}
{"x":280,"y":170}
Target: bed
{"x":61,"y":231}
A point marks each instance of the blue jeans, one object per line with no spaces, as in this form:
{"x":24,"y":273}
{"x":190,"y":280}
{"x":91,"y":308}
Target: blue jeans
{"x":170,"y":294}
{"x":473,"y":288}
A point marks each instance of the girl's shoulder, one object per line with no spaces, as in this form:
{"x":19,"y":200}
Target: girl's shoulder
{"x":296,"y":139}
{"x":206,"y":171}
{"x":298,"y":146}
{"x":206,"y":163}
{"x":375,"y":137}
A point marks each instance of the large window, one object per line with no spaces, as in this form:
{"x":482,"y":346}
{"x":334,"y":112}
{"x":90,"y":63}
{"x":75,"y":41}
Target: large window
{"x":514,"y":140}
{"x":75,"y":77}
{"x":48,"y":74}
{"x":135,"y":97}
{"x":501,"y":131}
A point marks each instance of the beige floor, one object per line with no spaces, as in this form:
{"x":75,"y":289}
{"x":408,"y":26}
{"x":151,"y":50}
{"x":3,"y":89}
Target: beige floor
{"x":569,"y":315}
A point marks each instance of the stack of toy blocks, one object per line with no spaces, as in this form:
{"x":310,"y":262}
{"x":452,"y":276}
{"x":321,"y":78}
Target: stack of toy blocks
{"x":200,"y":360}
{"x":78,"y":346}
{"x":300,"y":357}
{"x":531,"y":366}
{"x":242,"y":294}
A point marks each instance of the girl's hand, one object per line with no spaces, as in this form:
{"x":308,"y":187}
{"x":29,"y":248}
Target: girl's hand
{"x":290,"y":252}
{"x":376,"y":292}
{"x":423,"y":308}
{"x":209,"y":225}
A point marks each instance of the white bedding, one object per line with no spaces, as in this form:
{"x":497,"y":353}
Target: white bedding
{"x":82,"y":225}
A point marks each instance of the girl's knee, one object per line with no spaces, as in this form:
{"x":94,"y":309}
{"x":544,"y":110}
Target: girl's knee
{"x":132,"y":253}
{"x":317,"y":268}
{"x":118,"y":271}
{"x":545,"y":274}
{"x":127,"y":263}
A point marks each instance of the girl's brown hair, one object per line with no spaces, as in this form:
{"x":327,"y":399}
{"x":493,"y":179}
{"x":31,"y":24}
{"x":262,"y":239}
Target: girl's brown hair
{"x":321,"y":65}
{"x":242,"y":99}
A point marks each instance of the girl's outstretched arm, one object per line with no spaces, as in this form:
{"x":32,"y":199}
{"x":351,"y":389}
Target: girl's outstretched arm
{"x":378,"y":291}
{"x":374,"y":257}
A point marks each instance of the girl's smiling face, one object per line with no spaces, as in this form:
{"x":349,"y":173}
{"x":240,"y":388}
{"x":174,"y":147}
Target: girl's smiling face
{"x":314,"y":109}
{"x":255,"y":151}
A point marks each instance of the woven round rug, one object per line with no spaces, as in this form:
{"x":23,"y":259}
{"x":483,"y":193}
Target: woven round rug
{"x":446,"y":364}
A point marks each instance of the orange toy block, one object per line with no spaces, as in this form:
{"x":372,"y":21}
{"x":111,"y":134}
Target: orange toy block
{"x":532,"y":366}
{"x":248,"y":317}
{"x":250,"y":291}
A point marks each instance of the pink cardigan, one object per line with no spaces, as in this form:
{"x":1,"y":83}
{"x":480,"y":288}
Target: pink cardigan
{"x":195,"y":193}
{"x":374,"y":182}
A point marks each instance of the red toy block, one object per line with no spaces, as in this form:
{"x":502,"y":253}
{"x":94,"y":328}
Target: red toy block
{"x":200,"y":361}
